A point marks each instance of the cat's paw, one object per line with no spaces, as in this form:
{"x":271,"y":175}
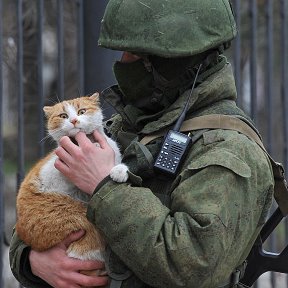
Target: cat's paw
{"x":95,"y":255}
{"x":119,"y":173}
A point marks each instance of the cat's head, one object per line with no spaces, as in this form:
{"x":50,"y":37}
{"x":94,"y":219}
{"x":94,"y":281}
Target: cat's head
{"x":69,"y":117}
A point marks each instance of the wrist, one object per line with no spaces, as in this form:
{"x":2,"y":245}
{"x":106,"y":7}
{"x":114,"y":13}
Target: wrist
{"x":26,"y":270}
{"x":32,"y":257}
{"x":101,"y":183}
{"x":89,"y":184}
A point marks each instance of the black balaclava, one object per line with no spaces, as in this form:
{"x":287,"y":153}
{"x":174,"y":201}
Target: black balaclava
{"x":153,"y":83}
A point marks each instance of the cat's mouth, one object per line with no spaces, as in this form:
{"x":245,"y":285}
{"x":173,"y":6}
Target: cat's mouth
{"x":72,"y":132}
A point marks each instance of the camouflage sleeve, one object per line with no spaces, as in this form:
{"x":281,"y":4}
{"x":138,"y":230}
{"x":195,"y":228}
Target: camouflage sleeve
{"x":20,"y":266}
{"x":217,"y":210}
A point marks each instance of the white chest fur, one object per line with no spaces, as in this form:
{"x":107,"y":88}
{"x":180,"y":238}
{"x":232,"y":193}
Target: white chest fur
{"x":51,"y":180}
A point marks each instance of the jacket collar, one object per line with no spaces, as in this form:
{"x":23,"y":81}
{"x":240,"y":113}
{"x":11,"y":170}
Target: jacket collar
{"x":211,"y":92}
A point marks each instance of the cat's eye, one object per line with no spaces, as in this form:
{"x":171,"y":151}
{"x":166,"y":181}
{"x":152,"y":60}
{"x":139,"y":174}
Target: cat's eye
{"x":63,"y":116}
{"x":81,"y":111}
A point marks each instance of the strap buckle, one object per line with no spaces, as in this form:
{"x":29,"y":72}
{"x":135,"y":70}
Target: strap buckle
{"x":235,"y":277}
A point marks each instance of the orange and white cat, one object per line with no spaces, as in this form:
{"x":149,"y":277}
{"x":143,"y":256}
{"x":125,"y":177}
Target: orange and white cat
{"x":49,"y":206}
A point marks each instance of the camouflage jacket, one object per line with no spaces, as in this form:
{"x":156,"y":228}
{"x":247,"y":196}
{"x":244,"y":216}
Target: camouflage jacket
{"x":218,"y":201}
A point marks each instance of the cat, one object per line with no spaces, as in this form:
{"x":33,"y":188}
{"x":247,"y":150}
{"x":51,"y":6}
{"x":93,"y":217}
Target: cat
{"x":49,"y":206}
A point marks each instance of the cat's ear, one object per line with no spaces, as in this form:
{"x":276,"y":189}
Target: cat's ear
{"x":95,"y":97}
{"x":48,"y":111}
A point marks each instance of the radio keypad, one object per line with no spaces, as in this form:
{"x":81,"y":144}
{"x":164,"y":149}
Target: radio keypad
{"x":164,"y":161}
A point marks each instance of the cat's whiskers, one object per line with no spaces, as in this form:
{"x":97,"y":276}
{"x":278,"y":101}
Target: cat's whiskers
{"x":46,"y":138}
{"x":49,"y":137}
{"x":56,"y":134}
{"x":51,"y":134}
{"x":103,"y":110}
{"x":93,"y":122}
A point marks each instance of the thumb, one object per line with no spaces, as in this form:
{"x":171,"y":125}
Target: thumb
{"x":74,"y":236}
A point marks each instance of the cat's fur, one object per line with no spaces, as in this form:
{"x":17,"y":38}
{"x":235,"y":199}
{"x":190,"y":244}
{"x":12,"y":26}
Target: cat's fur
{"x":49,"y":206}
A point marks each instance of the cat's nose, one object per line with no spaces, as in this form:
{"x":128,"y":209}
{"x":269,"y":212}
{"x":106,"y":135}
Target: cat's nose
{"x":74,"y":121}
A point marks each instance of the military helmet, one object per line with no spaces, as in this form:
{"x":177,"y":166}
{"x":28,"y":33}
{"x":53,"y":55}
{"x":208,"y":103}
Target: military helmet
{"x":167,"y":28}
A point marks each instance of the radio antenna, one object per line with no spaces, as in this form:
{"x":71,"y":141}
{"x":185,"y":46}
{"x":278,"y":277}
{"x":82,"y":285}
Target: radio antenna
{"x":183,"y":113}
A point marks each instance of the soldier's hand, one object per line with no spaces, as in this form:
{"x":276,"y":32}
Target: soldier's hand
{"x":85,"y":165}
{"x":61,"y":271}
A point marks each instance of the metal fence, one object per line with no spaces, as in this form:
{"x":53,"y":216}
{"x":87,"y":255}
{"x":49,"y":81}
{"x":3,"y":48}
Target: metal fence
{"x":49,"y":50}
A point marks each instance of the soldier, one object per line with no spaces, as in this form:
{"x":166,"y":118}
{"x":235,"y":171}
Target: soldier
{"x":192,"y":230}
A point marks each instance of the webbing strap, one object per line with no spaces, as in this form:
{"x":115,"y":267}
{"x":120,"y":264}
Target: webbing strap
{"x":115,"y":283}
{"x":226,"y":122}
{"x":280,"y":188}
{"x":235,"y":277}
{"x":213,"y":121}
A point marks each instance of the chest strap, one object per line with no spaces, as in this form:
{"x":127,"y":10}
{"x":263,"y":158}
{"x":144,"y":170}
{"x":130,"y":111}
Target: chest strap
{"x":213,"y":121}
{"x":226,"y":122}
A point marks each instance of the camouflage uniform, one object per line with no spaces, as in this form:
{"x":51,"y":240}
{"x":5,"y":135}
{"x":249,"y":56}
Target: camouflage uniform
{"x":209,"y":215}
{"x":219,"y":200}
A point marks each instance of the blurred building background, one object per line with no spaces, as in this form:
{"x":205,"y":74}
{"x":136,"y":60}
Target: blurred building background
{"x":48,"y":52}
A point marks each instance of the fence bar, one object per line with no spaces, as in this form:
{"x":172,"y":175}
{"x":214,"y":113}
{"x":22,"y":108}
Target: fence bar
{"x":269,"y":72}
{"x":60,"y":41}
{"x":253,"y":59}
{"x":284,"y":91}
{"x":237,"y":53}
{"x":20,"y":156}
{"x":284,"y":77}
{"x":80,"y":46}
{"x":20,"y":70}
{"x":269,"y":91}
{"x":40,"y":9}
{"x":2,"y":226}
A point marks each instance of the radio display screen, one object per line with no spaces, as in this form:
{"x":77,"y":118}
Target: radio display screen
{"x":178,"y":137}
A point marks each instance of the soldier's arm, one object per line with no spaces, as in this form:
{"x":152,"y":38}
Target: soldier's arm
{"x":20,"y":264}
{"x":52,"y":266}
{"x":217,"y":210}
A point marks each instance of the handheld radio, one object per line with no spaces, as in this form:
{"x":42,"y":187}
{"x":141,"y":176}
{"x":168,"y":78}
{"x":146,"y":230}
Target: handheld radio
{"x":176,"y":144}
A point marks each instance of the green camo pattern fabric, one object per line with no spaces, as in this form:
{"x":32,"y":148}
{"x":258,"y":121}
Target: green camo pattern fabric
{"x":167,"y":28}
{"x":219,"y":202}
